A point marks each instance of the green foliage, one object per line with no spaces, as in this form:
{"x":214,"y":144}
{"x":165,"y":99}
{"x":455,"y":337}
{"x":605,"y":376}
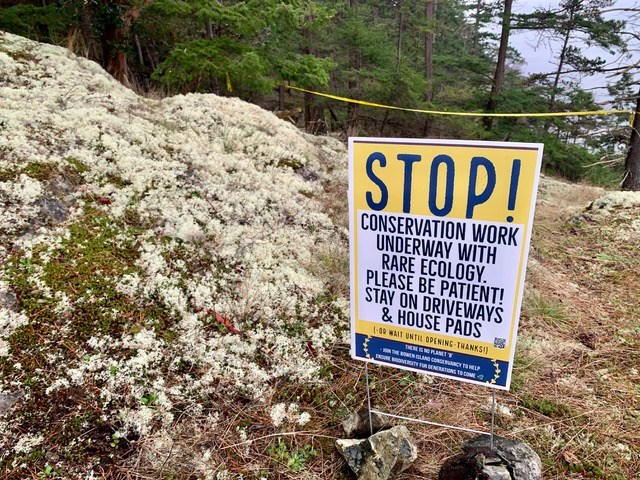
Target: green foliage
{"x":293,"y":459}
{"x":226,"y":19}
{"x":149,"y":399}
{"x":545,"y":406}
{"x":306,"y":71}
{"x":565,"y":159}
{"x":201,"y":63}
{"x":608,"y":176}
{"x":249,"y":47}
{"x":192,"y":61}
{"x":48,"y":472}
{"x":49,"y":23}
{"x":115,"y":441}
{"x":582,"y":18}
{"x":370,"y":50}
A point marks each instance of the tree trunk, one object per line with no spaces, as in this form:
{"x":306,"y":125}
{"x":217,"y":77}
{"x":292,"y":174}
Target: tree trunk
{"x":313,"y":113}
{"x":352,"y":127}
{"x":87,"y":34}
{"x":383,"y":124}
{"x":115,"y":35}
{"x":114,"y":57}
{"x":399,"y":44}
{"x":556,"y":77}
{"x":476,"y":29}
{"x":308,"y":97}
{"x":208,"y":33}
{"x":281,"y":93}
{"x":308,"y":117}
{"x":498,"y":77}
{"x":632,"y":163}
{"x":561,"y":60}
{"x":151,"y":58}
{"x":429,"y":40}
{"x":208,"y":28}
{"x":136,"y":39}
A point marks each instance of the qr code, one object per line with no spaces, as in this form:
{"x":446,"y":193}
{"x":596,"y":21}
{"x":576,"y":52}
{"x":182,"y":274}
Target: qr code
{"x":499,"y":342}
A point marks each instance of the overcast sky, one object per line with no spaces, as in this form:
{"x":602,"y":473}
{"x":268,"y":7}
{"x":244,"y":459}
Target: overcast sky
{"x":540,"y":53}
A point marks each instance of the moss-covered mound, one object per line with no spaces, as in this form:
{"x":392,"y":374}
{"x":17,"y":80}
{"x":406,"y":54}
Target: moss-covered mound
{"x":156,"y":256}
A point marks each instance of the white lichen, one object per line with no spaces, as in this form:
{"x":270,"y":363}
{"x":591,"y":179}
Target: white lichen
{"x":230,"y":229}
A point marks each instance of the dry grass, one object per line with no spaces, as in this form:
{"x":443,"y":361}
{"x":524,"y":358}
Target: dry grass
{"x":574,"y":395}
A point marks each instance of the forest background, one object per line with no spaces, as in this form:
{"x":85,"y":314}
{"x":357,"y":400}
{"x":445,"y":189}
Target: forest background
{"x":447,"y":55}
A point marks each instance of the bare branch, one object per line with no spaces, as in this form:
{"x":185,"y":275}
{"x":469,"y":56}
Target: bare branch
{"x":609,"y":10}
{"x":616,"y":70}
{"x":609,"y":161}
{"x":623,"y":69}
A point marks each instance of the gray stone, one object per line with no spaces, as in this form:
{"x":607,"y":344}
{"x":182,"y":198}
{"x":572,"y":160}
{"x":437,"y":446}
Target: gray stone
{"x":8,"y":299}
{"x":355,"y":452}
{"x":380,"y":456}
{"x":356,"y":425}
{"x":8,"y":400}
{"x":52,"y":211}
{"x":475,"y":464}
{"x":523,"y":463}
{"x":496,"y":472}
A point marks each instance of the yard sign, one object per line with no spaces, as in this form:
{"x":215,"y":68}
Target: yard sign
{"x":440,"y":233}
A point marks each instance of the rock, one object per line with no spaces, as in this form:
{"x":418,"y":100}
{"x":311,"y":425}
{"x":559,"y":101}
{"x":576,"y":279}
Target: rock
{"x":613,"y":200}
{"x":356,"y":425}
{"x":475,"y":464}
{"x":521,"y":460}
{"x":497,"y":472}
{"x":355,"y":452}
{"x":559,"y":193}
{"x":8,"y":400}
{"x":8,"y":299}
{"x":380,"y":456}
{"x":52,"y":211}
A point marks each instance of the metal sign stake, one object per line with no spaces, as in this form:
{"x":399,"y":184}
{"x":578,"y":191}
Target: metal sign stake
{"x":493,"y":416}
{"x":366,"y":374}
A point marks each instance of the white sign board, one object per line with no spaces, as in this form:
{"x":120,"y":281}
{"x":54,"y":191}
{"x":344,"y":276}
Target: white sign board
{"x":440,"y":235}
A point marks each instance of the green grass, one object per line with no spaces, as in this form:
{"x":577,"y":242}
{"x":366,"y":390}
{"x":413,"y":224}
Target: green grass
{"x":71,"y":171}
{"x":545,"y":406}
{"x":294,"y":458}
{"x":548,"y":310}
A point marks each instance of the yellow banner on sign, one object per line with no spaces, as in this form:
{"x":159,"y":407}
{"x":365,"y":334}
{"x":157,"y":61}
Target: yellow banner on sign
{"x":447,"y":181}
{"x":443,"y":342}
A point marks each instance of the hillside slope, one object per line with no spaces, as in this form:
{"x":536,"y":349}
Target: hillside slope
{"x":155,"y":254}
{"x":174,"y":286}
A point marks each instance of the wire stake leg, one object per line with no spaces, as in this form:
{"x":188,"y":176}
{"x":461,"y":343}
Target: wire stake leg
{"x":366,"y":374}
{"x":493,"y":416}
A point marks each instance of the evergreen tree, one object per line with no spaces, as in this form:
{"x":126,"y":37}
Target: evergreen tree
{"x":422,"y":54}
{"x":574,"y":24}
{"x":498,"y":76}
{"x":242,"y":47}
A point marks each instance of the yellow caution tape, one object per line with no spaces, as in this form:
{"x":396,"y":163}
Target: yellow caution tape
{"x":460,"y":114}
